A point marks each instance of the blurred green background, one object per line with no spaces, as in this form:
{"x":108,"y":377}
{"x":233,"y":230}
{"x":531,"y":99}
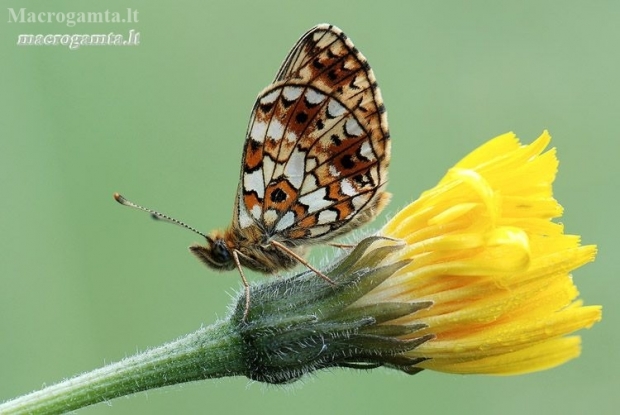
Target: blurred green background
{"x":85,"y":281}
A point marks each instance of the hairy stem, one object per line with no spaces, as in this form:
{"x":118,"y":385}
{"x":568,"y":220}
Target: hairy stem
{"x":210,"y":352}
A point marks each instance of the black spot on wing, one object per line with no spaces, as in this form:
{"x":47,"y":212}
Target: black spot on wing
{"x":317,"y":63}
{"x":301,"y":117}
{"x":278,"y":196}
{"x":347,"y":161}
{"x":265,"y":108}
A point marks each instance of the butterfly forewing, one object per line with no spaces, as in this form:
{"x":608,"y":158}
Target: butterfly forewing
{"x":317,"y":148}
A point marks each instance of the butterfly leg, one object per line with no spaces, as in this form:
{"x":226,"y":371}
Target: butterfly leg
{"x":303,"y":261}
{"x":246,"y":285}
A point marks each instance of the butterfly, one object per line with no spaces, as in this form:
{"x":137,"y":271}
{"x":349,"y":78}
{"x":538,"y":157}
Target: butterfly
{"x":314,"y":163}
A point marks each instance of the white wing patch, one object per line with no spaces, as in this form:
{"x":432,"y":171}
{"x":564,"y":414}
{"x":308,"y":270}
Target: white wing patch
{"x":270,"y":98}
{"x":366,"y":151}
{"x":335,"y":109}
{"x":314,"y":97}
{"x":310,"y":164}
{"x":291,"y":93}
{"x":347,"y":188}
{"x":334,"y":171}
{"x":268,"y":167}
{"x":327,"y":216}
{"x":278,"y":171}
{"x":286,"y":222}
{"x":309,"y":184}
{"x":353,"y":128}
{"x":316,"y":200}
{"x":256,"y":212}
{"x":295,"y":168}
{"x":291,"y":136}
{"x":276,"y":130}
{"x":244,"y":217}
{"x":270,"y":217}
{"x":254,"y":182}
{"x":258,"y":131}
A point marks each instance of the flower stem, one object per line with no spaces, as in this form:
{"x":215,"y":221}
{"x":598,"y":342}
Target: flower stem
{"x":211,"y":352}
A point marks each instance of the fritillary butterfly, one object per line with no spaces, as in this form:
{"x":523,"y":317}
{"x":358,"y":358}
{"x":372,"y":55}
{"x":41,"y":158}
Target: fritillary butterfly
{"x":314,"y":162}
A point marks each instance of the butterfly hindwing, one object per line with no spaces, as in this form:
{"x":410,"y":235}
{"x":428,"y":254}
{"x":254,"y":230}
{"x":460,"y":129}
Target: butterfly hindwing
{"x":317,"y":148}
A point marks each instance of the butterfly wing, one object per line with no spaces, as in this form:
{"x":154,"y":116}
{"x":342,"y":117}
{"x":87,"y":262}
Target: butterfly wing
{"x":317,"y":149}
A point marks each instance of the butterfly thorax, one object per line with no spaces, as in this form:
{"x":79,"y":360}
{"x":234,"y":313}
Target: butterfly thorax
{"x":252,"y":246}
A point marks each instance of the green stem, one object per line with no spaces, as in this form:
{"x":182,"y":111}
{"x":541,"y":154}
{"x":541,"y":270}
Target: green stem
{"x":294,"y":326}
{"x":211,"y":352}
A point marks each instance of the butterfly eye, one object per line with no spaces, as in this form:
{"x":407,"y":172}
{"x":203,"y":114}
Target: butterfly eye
{"x":220,"y":252}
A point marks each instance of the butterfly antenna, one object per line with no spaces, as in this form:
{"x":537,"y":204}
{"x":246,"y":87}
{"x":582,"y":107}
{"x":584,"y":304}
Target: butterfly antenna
{"x":156,"y":215}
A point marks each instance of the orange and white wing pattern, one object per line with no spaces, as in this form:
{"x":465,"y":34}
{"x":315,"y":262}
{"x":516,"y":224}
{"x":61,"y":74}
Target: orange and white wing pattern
{"x":317,"y":148}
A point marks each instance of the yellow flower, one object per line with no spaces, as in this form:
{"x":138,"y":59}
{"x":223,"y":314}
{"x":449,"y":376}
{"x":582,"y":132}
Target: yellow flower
{"x":485,"y":253}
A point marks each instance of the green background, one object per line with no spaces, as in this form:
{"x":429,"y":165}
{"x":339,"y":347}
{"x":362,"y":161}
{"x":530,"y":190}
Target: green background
{"x":84,"y":281}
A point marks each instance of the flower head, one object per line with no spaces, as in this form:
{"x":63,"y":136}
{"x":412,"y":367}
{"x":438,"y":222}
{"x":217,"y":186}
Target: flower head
{"x":484,"y":251}
{"x":473,"y":277}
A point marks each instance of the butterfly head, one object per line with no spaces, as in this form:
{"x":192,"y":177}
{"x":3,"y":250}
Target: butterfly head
{"x":216,"y":253}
